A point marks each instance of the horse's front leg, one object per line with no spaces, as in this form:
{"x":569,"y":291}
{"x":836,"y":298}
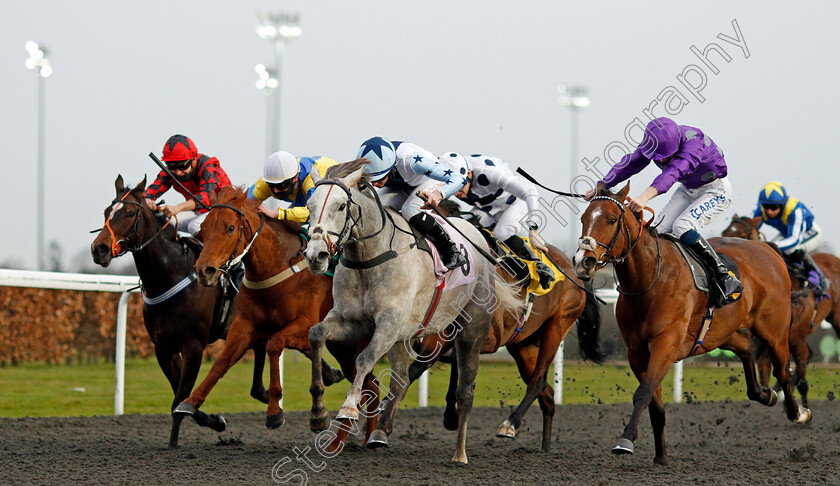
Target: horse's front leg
{"x":331,"y":328}
{"x":650,"y":367}
{"x":274,"y":413}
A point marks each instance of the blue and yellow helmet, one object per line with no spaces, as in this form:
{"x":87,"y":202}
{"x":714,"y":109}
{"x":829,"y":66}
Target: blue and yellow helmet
{"x":773,"y":193}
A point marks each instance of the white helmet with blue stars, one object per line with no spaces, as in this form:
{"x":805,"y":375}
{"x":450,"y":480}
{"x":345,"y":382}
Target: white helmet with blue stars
{"x":381,"y":157}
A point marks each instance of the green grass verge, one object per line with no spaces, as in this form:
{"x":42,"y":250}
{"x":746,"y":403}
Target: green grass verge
{"x":42,"y":390}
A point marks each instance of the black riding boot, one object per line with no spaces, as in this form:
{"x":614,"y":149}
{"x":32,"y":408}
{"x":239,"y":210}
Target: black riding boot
{"x":450,"y":255}
{"x":518,"y":246}
{"x":234,"y":281}
{"x":810,"y":264}
{"x":728,"y":284}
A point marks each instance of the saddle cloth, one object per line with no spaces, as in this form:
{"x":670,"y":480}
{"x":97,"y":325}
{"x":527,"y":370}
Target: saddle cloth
{"x":702,"y":275}
{"x":462,"y":275}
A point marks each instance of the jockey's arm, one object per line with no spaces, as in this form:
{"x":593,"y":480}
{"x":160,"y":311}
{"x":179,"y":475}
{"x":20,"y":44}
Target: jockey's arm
{"x":173,"y":209}
{"x":431,"y":168}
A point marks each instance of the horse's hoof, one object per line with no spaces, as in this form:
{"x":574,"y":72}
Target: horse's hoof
{"x":462,"y":458}
{"x":219,"y":424}
{"x":450,"y":422}
{"x":347,"y":413}
{"x":774,"y":398}
{"x":320,"y":423}
{"x":185,"y":408}
{"x":660,"y":461}
{"x":507,"y":430}
{"x":803,"y":417}
{"x":377,"y":439}
{"x":623,"y":446}
{"x":275,"y":421}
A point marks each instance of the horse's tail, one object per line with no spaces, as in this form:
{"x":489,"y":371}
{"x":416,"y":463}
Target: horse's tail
{"x":589,"y":326}
{"x":508,"y":295}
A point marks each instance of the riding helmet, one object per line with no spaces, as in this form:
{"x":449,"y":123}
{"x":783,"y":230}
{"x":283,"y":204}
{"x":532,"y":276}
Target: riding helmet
{"x":280,"y":166}
{"x":178,"y":148}
{"x":381,"y":157}
{"x":662,"y":139}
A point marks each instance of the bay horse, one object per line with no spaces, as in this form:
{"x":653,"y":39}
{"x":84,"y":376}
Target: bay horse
{"x":807,"y":316}
{"x":532,"y":344}
{"x":180,"y":326}
{"x":280,"y":299}
{"x":660,"y":312}
{"x":385,"y":287}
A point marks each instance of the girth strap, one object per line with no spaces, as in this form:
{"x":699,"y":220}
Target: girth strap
{"x":432,"y":307}
{"x":377,"y":260}
{"x":186,"y":282}
{"x":271,"y":282}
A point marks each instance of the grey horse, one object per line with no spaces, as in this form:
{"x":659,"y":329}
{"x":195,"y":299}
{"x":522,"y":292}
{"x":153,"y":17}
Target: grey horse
{"x":387,"y":297}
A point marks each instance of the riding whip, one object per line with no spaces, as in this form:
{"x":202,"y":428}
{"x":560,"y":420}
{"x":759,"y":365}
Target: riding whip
{"x":169,"y":173}
{"x":527,"y":176}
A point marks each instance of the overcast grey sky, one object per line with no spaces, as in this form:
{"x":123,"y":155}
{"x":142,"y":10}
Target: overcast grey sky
{"x":475,"y":76}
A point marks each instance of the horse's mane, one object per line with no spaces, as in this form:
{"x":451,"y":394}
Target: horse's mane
{"x":343,"y":170}
{"x":231,"y":195}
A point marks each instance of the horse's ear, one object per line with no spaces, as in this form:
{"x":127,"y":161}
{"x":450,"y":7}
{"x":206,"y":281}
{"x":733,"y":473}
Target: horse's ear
{"x":622,"y":194}
{"x":735,"y":216}
{"x":141,"y":186}
{"x":119,"y":185}
{"x":756,"y":221}
{"x":601,"y":189}
{"x":354,"y":178}
{"x":213,"y":198}
{"x":316,"y":176}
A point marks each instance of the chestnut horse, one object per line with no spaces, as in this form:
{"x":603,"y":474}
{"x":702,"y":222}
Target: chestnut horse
{"x":532,"y":345}
{"x":279,"y":301}
{"x":180,"y":326}
{"x":660,"y":312}
{"x":805,"y":320}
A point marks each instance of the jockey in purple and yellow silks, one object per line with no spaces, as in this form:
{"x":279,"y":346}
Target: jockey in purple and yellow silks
{"x":690,"y":160}
{"x":288,"y":179}
{"x":798,"y":234}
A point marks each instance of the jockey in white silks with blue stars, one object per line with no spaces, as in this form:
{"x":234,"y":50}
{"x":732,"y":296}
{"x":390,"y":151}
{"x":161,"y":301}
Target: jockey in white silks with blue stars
{"x":402,"y":169}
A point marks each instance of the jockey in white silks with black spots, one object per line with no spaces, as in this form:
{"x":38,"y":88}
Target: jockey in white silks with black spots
{"x":501,"y":197}
{"x":401,"y":170}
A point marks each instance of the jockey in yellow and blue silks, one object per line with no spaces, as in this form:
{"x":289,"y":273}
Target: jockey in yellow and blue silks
{"x":288,"y":179}
{"x":798,"y":234}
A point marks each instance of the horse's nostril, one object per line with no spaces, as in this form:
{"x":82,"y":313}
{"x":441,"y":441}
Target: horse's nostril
{"x":323,"y":255}
{"x":588,"y":262}
{"x":102,"y":249}
{"x":209,"y":271}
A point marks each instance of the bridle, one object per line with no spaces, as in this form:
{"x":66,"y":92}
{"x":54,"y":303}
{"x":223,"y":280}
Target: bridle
{"x":121,"y":247}
{"x":749,"y":227}
{"x":343,"y":238}
{"x":607,"y":258}
{"x":234,"y":259}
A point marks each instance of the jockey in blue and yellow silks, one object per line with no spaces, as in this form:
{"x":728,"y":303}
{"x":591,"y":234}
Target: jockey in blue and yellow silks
{"x":798,"y":234}
{"x":288,"y":179}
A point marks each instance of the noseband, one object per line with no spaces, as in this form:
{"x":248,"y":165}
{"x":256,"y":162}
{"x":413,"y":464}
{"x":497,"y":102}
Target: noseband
{"x":121,"y":247}
{"x":234,"y":259}
{"x":336,"y":247}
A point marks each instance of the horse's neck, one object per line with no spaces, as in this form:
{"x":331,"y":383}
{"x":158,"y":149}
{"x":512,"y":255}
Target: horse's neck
{"x":163,"y":262}
{"x":370,"y":222}
{"x":639,"y":268}
{"x":270,"y":253}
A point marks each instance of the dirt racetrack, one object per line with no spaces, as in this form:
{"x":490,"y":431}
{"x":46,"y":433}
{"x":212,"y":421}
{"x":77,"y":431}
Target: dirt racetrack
{"x":708,"y":443}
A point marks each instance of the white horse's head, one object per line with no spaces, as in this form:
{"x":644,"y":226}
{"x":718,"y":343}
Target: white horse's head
{"x":330,"y":221}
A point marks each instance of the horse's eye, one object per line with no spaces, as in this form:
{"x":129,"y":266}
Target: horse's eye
{"x":230,"y":229}
{"x":613,"y":220}
{"x":130,"y":214}
{"x":341,"y":208}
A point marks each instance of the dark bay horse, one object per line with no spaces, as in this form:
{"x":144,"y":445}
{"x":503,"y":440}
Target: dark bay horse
{"x":808,"y":314}
{"x":280,"y":299}
{"x":660,"y":312}
{"x":180,"y":326}
{"x":532,"y":347}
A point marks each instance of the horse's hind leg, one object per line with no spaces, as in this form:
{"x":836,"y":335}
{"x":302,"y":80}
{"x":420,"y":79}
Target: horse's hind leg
{"x":467,"y":349}
{"x":801,"y":355}
{"x":450,"y":415}
{"x":777,"y":346}
{"x":258,"y":390}
{"x":742,"y":344}
{"x":656,"y":409}
{"x":398,"y":386}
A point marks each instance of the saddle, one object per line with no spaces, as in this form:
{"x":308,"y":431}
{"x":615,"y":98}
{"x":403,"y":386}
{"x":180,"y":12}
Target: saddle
{"x":704,"y":276}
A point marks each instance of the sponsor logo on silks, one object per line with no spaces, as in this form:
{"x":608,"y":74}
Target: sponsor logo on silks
{"x":703,"y":208}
